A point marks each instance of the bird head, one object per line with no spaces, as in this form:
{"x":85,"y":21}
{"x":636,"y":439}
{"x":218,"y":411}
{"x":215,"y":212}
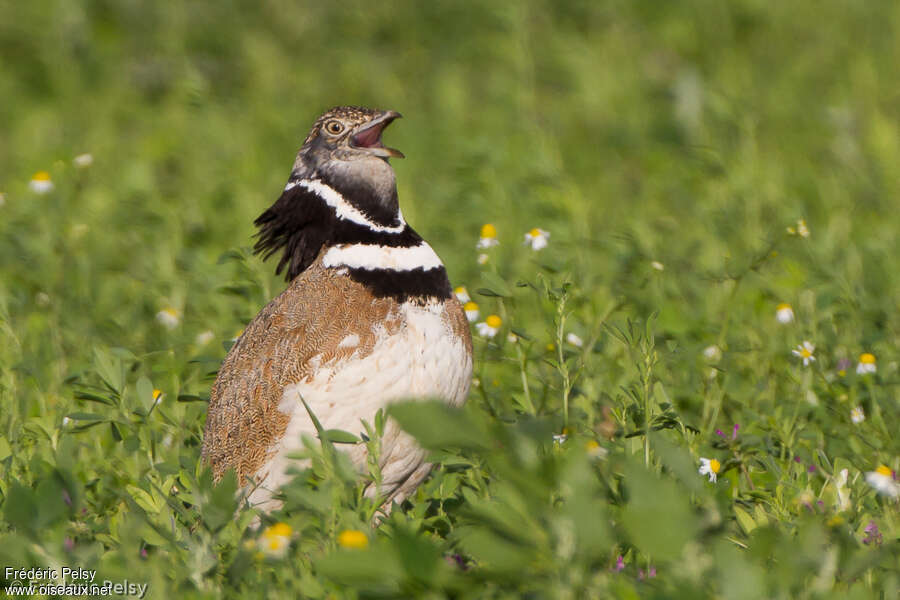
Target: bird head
{"x":344,"y":149}
{"x":349,"y":133}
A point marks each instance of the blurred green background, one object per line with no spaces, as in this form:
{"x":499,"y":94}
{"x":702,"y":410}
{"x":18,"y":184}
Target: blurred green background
{"x":690,"y":128}
{"x":689,"y":134}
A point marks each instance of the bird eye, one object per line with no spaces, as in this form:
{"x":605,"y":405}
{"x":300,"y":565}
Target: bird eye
{"x":334,"y":127}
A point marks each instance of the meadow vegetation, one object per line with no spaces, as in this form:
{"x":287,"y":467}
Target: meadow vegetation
{"x":720,"y":184}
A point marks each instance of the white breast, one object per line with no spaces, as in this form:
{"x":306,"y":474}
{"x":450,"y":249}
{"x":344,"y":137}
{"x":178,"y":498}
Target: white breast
{"x":424,"y":359}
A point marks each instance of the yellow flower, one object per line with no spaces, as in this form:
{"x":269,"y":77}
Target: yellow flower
{"x":711,"y":467}
{"x":801,"y":229}
{"x":784,"y":314}
{"x":157,"y":396}
{"x":489,"y":327}
{"x":488,"y":237}
{"x":352,"y":538}
{"x":537,"y":238}
{"x":41,"y":183}
{"x":805,"y":352}
{"x":866,"y":364}
{"x":168,"y":318}
{"x":882,"y":479}
{"x":275,"y":540}
{"x":471,"y":311}
{"x":595,"y":450}
{"x":462,"y":294}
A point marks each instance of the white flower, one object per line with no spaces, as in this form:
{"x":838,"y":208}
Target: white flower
{"x":801,"y":229}
{"x":784,"y":314}
{"x":482,"y":259}
{"x":41,"y":183}
{"x":537,"y":238}
{"x":471,"y":311}
{"x":489,"y":327}
{"x":42,"y":299}
{"x":275,"y":540}
{"x":560,"y":438}
{"x":574,"y":340}
{"x":83,"y":161}
{"x":168,"y":318}
{"x":857,"y":415}
{"x":658,"y":265}
{"x":866,"y":364}
{"x":66,"y":421}
{"x":488,"y":237}
{"x":711,"y":467}
{"x":712,"y":353}
{"x":204,"y":337}
{"x":882,"y":479}
{"x":462,"y":294}
{"x":805,"y":351}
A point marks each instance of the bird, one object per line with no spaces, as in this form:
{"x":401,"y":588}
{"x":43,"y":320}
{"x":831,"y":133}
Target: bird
{"x":367,"y":318}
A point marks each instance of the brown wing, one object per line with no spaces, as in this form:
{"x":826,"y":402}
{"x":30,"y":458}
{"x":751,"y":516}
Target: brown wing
{"x":310,"y":318}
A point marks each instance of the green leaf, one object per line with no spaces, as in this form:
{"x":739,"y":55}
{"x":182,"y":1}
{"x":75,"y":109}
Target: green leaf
{"x":222,"y":502}
{"x":235,"y":254}
{"x":744,"y":519}
{"x":192,"y":398}
{"x":658,"y":517}
{"x":493,"y":552}
{"x":81,"y":416}
{"x":436,"y":425}
{"x":145,"y":394}
{"x":109,"y":367}
{"x":18,"y":507}
{"x":495,"y":286}
{"x":50,"y":502}
{"x":5,"y":449}
{"x":83,"y":394}
{"x":373,"y":567}
{"x":144,"y":499}
{"x":339,"y":436}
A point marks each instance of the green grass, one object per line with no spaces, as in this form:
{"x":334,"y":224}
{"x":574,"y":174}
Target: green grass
{"x":688,"y":134}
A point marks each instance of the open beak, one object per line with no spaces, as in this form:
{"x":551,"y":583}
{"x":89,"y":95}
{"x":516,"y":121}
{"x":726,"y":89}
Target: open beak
{"x":368,"y":136}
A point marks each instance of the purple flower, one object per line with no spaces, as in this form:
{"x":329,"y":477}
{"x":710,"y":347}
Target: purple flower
{"x":67,"y":498}
{"x":620,"y":564}
{"x":650,"y":574}
{"x":69,"y":544}
{"x":720,"y":433}
{"x":798,"y":459}
{"x":143,"y":553}
{"x":811,"y":469}
{"x":873,"y":536}
{"x":844,"y":364}
{"x":734,"y":431}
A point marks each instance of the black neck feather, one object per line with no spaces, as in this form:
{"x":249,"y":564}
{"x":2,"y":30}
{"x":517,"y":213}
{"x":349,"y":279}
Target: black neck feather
{"x":300,"y":224}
